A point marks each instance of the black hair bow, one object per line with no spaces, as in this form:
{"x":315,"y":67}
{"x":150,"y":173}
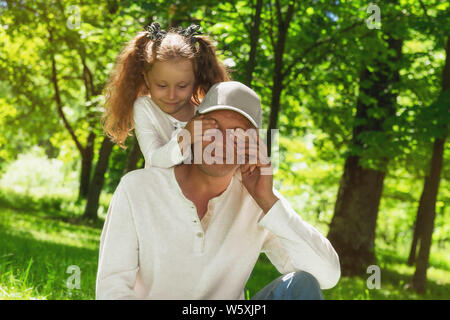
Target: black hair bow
{"x":154,"y":32}
{"x":190,"y":31}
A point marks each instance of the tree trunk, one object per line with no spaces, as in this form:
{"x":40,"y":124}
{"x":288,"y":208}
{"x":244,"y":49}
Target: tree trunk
{"x":352,"y":229}
{"x":254,"y":37}
{"x":427,"y":206}
{"x":133,"y":157}
{"x":87,"y":153}
{"x":98,"y":179}
{"x":277,"y":86}
{"x":87,"y":156}
{"x":417,"y":231}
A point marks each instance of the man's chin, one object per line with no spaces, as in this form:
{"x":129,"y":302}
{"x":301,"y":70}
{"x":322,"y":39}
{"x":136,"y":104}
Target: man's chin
{"x":218,"y":170}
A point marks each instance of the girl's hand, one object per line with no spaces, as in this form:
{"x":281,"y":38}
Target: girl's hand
{"x":196,"y":137}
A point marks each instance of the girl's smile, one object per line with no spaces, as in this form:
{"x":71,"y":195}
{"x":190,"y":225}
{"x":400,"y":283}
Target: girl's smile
{"x":171,"y":84}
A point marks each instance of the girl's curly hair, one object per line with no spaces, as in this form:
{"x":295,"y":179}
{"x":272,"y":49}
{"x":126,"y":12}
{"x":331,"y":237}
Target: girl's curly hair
{"x":126,"y":82}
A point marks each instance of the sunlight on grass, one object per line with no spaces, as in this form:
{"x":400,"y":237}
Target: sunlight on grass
{"x":36,"y":250}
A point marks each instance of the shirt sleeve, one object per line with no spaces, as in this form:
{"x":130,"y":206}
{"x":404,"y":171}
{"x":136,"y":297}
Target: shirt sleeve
{"x":294,"y":245}
{"x":118,"y":256}
{"x":156,"y":152}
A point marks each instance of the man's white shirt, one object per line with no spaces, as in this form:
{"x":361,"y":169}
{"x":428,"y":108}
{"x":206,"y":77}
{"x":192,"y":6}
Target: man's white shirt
{"x":153,"y":245}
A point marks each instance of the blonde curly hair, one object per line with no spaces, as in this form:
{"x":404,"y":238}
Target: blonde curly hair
{"x":126,"y":82}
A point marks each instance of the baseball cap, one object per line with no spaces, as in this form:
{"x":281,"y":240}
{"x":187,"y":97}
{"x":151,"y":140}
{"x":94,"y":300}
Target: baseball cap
{"x":236,"y":96}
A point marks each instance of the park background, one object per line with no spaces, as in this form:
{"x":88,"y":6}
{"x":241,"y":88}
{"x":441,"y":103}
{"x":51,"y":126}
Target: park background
{"x":360,"y":92}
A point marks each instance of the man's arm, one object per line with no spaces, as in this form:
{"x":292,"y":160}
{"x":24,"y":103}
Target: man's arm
{"x":118,"y":256}
{"x":293,"y":245}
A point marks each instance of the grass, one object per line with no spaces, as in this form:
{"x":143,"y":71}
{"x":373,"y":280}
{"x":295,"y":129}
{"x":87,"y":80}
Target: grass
{"x":37,"y":249}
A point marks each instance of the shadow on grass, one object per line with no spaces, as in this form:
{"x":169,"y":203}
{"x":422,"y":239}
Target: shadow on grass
{"x":391,"y":256}
{"x":394,"y":286}
{"x":58,"y":207}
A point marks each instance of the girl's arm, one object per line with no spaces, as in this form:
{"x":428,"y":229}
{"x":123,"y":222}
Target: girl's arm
{"x":156,"y":152}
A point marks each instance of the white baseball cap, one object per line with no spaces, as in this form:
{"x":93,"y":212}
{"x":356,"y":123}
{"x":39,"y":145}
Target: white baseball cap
{"x":236,"y":96}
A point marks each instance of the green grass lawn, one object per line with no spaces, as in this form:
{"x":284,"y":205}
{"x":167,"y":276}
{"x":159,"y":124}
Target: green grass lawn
{"x":36,"y":251}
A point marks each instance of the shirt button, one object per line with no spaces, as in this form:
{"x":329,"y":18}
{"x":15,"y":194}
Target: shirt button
{"x":200,"y":234}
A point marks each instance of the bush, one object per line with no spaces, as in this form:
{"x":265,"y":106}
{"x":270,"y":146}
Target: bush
{"x":36,"y":183}
{"x":34,"y":173}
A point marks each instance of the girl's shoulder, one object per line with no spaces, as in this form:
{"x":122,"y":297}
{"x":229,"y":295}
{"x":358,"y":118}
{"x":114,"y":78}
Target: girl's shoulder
{"x":143,"y":109}
{"x":146,"y":111}
{"x":145,"y":105}
{"x":142,"y":101}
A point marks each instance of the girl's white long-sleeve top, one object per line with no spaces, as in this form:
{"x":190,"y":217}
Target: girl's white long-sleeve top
{"x":156,"y":132}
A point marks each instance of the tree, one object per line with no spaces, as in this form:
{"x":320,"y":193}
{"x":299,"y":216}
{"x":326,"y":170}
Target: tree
{"x":352,"y":230}
{"x":98,"y":179}
{"x":427,"y":204}
{"x":68,"y":63}
{"x":133,"y":157}
{"x":254,"y":39}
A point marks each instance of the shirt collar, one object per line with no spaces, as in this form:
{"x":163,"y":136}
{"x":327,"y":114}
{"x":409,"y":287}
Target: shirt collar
{"x":214,"y":200}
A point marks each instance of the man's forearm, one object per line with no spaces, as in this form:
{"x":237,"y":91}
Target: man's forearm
{"x":267,"y":202}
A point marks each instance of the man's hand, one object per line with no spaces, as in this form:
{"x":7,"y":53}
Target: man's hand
{"x":258,"y":178}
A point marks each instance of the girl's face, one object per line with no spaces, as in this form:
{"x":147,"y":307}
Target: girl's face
{"x":171,"y":84}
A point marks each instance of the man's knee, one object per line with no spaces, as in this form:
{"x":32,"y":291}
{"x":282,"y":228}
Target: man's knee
{"x":305,"y":286}
{"x":306,"y":278}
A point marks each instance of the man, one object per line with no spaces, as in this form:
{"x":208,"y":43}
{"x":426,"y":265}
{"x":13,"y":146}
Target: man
{"x":195,"y":231}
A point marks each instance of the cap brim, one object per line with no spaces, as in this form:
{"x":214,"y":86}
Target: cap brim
{"x":225,"y":107}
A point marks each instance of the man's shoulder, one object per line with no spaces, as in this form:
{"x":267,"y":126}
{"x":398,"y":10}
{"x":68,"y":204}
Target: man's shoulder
{"x":145,"y":175}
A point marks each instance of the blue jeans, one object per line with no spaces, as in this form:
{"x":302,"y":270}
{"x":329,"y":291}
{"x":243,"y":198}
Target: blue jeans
{"x":298,"y":285}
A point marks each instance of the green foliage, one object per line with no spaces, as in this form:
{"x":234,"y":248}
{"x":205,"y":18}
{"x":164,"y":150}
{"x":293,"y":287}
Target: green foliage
{"x":327,"y":46}
{"x":34,"y":173}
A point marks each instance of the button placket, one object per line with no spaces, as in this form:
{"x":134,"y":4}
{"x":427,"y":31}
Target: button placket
{"x":199,"y":242}
{"x":199,"y":236}
{"x":194,"y":214}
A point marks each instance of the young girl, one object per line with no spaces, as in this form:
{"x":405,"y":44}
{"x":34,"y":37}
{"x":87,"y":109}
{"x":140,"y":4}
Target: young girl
{"x":158,"y":80}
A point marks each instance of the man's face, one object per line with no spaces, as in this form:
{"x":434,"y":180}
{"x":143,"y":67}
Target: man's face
{"x":227,"y":121}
